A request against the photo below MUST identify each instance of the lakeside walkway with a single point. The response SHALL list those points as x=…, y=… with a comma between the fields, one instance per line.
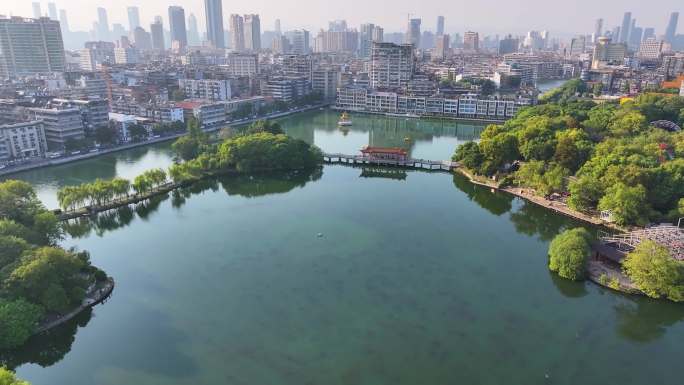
x=89, y=155
x=94, y=297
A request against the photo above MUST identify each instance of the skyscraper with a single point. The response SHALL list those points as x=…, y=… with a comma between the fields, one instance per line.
x=36, y=10
x=63, y=21
x=157, y=32
x=442, y=46
x=193, y=30
x=440, y=25
x=179, y=33
x=413, y=33
x=648, y=33
x=52, y=11
x=625, y=28
x=133, y=18
x=237, y=33
x=143, y=40
x=366, y=39
x=277, y=27
x=252, y=28
x=30, y=46
x=102, y=24
x=214, y=16
x=598, y=29
x=671, y=29
x=299, y=41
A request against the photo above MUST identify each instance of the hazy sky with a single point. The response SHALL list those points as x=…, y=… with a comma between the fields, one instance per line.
x=516, y=16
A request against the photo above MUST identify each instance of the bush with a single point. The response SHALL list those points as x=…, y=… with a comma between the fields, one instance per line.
x=653, y=270
x=568, y=253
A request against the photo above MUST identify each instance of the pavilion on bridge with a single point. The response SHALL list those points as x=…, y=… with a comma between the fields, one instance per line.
x=385, y=153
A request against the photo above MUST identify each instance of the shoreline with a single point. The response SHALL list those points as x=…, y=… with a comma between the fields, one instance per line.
x=92, y=299
x=90, y=155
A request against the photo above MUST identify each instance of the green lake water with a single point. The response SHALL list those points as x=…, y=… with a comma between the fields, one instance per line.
x=342, y=276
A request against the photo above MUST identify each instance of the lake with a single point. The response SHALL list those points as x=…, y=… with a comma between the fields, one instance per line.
x=341, y=276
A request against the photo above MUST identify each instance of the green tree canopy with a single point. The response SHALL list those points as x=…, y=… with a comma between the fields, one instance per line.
x=653, y=270
x=568, y=253
x=18, y=320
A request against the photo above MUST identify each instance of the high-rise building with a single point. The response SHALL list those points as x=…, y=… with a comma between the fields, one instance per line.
x=471, y=41
x=193, y=30
x=63, y=21
x=36, y=10
x=440, y=25
x=337, y=41
x=635, y=36
x=650, y=49
x=30, y=46
x=95, y=54
x=413, y=33
x=508, y=45
x=133, y=18
x=378, y=34
x=299, y=41
x=608, y=53
x=252, y=30
x=237, y=33
x=391, y=65
x=625, y=28
x=277, y=27
x=214, y=16
x=366, y=39
x=179, y=34
x=337, y=26
x=157, y=32
x=143, y=40
x=649, y=33
x=52, y=11
x=102, y=25
x=598, y=30
x=671, y=29
x=577, y=46
x=442, y=46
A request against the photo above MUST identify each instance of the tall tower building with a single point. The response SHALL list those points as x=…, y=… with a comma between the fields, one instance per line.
x=278, y=30
x=648, y=33
x=64, y=21
x=237, y=33
x=52, y=11
x=598, y=29
x=30, y=46
x=133, y=18
x=366, y=39
x=378, y=34
x=214, y=16
x=102, y=24
x=193, y=30
x=625, y=28
x=671, y=29
x=471, y=41
x=36, y=10
x=440, y=25
x=179, y=33
x=391, y=65
x=413, y=33
x=252, y=27
x=157, y=32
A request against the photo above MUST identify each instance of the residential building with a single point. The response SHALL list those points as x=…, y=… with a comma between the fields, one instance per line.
x=126, y=56
x=325, y=81
x=243, y=64
x=237, y=33
x=252, y=31
x=508, y=45
x=157, y=31
x=61, y=125
x=651, y=49
x=95, y=54
x=214, y=17
x=211, y=115
x=143, y=40
x=30, y=46
x=93, y=112
x=123, y=125
x=442, y=47
x=22, y=140
x=179, y=34
x=471, y=41
x=337, y=41
x=206, y=89
x=413, y=33
x=288, y=89
x=299, y=41
x=391, y=65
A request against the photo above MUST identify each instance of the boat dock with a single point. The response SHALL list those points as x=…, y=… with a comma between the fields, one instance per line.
x=361, y=160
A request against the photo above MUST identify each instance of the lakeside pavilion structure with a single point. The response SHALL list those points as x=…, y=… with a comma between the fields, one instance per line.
x=385, y=153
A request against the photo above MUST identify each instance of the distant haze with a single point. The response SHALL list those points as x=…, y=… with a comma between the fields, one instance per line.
x=560, y=17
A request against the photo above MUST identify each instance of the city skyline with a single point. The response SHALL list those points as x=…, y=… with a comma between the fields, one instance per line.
x=504, y=18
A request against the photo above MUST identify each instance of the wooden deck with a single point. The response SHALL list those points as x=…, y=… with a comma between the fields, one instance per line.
x=360, y=160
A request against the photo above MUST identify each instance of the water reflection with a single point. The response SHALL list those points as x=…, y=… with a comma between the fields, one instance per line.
x=249, y=186
x=495, y=202
x=645, y=320
x=384, y=173
x=48, y=348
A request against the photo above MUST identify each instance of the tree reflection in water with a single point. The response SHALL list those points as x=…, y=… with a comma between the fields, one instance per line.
x=48, y=348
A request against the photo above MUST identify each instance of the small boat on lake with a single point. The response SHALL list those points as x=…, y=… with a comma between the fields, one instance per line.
x=345, y=120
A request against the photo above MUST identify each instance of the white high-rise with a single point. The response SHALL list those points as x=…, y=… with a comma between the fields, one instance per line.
x=391, y=65
x=252, y=30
